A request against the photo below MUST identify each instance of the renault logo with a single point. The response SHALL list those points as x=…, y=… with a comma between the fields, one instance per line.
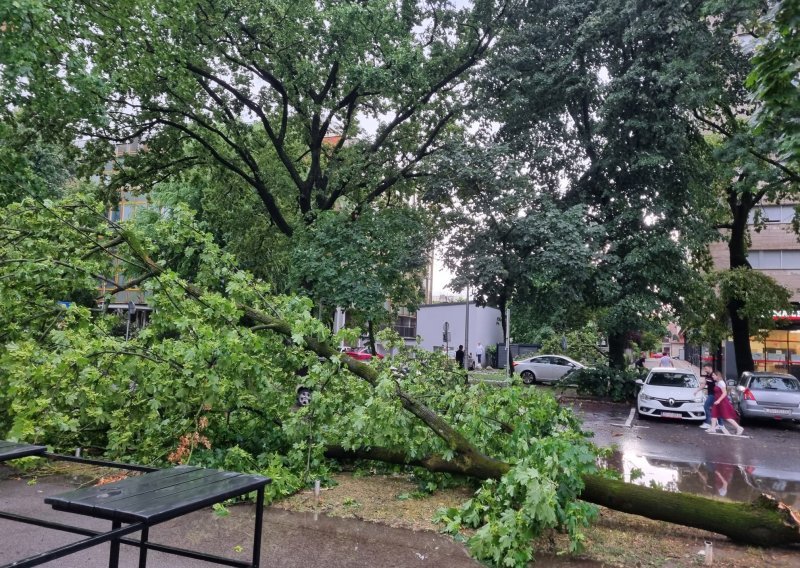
x=671, y=402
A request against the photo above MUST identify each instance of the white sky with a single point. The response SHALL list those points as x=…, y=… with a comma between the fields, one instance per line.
x=441, y=276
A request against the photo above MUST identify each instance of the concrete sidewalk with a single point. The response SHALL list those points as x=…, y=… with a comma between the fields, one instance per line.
x=290, y=539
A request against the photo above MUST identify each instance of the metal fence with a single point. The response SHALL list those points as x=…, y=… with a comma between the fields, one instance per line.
x=517, y=350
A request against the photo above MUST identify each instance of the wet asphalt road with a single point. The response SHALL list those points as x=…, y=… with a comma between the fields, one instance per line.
x=680, y=456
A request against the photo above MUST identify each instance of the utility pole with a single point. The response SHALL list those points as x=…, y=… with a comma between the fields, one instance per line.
x=509, y=369
x=466, y=334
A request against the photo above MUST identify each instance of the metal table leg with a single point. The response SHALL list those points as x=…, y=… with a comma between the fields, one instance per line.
x=143, y=548
x=257, y=529
x=113, y=556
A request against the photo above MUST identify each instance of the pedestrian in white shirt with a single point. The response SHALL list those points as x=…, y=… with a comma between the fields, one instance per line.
x=479, y=355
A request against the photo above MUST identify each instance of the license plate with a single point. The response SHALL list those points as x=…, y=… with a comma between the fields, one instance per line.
x=671, y=415
x=779, y=411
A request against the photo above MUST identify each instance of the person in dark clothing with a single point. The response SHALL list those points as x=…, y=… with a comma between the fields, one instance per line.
x=639, y=363
x=460, y=356
x=707, y=384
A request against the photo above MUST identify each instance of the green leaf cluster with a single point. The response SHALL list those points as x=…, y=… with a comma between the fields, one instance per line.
x=540, y=493
x=618, y=385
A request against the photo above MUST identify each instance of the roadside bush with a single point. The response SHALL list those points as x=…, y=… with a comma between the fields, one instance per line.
x=605, y=382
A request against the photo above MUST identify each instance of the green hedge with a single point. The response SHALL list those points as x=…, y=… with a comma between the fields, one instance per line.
x=604, y=382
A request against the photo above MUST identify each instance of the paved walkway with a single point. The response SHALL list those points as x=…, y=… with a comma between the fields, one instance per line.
x=290, y=540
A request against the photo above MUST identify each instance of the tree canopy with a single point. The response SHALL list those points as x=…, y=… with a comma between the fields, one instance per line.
x=226, y=87
x=591, y=98
x=568, y=146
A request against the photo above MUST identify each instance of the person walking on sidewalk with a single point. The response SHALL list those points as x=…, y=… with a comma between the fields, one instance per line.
x=707, y=375
x=460, y=356
x=722, y=409
x=479, y=355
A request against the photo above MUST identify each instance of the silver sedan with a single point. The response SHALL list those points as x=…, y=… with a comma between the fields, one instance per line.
x=767, y=395
x=545, y=368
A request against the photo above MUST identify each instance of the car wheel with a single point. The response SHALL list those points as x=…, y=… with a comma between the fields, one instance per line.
x=528, y=377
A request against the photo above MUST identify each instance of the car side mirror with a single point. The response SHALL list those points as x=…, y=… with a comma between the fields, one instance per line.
x=639, y=382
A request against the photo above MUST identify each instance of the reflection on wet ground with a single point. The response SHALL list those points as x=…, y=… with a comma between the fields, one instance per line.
x=679, y=456
x=709, y=478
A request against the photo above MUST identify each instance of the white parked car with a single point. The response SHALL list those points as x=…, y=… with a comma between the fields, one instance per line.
x=670, y=393
x=545, y=368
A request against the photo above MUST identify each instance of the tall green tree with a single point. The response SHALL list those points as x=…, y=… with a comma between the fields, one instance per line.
x=752, y=165
x=589, y=95
x=369, y=266
x=276, y=112
x=507, y=239
x=237, y=77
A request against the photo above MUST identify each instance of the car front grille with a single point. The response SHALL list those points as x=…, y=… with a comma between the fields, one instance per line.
x=672, y=403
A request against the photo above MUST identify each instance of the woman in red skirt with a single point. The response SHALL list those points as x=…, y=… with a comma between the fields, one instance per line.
x=722, y=409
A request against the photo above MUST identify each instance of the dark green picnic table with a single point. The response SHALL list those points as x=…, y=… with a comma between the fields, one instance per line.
x=141, y=502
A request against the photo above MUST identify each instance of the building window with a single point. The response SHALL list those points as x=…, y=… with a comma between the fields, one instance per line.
x=773, y=214
x=406, y=326
x=774, y=259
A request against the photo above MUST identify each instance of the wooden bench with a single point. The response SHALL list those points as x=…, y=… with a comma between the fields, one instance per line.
x=142, y=502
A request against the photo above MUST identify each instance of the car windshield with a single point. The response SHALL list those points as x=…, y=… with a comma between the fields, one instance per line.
x=672, y=380
x=776, y=383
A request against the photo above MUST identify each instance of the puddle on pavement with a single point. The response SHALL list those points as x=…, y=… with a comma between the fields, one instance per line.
x=709, y=478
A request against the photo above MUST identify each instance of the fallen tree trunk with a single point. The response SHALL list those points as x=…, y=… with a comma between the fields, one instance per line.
x=764, y=522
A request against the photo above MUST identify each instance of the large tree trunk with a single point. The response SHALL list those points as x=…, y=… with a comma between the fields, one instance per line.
x=765, y=522
x=616, y=350
x=737, y=249
x=371, y=337
x=740, y=331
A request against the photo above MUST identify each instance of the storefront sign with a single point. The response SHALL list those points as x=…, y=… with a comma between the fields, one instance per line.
x=784, y=315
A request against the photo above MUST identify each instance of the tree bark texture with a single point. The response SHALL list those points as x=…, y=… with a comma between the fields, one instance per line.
x=764, y=522
x=616, y=350
x=737, y=250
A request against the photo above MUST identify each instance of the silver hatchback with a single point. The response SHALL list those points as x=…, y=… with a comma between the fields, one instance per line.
x=767, y=395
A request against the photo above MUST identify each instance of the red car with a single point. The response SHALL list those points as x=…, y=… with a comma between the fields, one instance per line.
x=362, y=354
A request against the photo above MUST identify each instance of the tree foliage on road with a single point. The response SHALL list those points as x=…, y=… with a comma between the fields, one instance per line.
x=212, y=379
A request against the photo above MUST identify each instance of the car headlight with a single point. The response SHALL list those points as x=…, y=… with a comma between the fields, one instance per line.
x=645, y=396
